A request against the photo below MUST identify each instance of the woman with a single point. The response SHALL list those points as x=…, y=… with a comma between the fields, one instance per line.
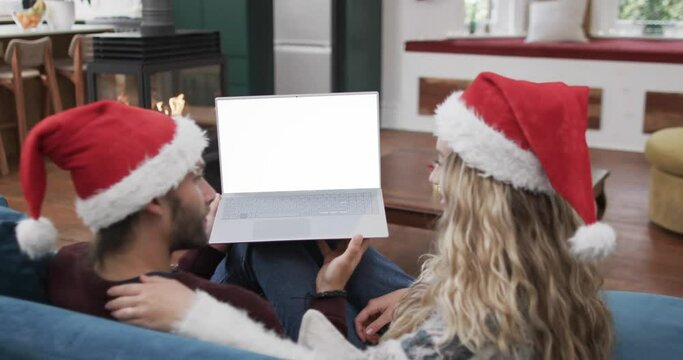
x=514, y=274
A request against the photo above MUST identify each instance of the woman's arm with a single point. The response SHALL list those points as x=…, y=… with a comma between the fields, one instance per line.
x=160, y=303
x=338, y=266
x=167, y=305
x=377, y=314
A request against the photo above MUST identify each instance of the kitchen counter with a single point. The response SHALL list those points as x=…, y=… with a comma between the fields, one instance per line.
x=13, y=31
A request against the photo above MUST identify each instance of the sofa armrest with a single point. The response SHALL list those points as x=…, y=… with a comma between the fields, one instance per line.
x=647, y=326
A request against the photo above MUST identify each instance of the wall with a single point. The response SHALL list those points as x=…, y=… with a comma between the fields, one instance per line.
x=404, y=20
x=623, y=86
x=246, y=28
x=623, y=83
x=129, y=8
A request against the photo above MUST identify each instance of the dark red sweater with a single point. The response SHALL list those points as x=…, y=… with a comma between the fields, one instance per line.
x=74, y=285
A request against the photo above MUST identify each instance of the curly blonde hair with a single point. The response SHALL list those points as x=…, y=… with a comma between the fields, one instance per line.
x=503, y=276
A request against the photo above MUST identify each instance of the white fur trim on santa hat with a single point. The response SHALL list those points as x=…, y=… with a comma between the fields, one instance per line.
x=211, y=320
x=153, y=178
x=36, y=238
x=593, y=242
x=486, y=149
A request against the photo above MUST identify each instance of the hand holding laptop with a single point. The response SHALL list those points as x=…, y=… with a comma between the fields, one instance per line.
x=339, y=264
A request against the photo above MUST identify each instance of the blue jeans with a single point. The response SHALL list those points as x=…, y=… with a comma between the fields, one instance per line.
x=285, y=273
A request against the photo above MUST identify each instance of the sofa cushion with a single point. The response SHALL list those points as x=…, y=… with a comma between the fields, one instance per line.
x=556, y=20
x=35, y=331
x=664, y=149
x=20, y=276
x=647, y=326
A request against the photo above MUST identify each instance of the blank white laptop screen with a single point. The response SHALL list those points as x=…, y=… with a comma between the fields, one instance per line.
x=299, y=143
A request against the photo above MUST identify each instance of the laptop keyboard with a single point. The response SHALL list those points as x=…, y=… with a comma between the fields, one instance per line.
x=277, y=206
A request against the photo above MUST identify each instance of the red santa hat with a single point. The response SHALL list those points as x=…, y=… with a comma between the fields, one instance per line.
x=532, y=136
x=120, y=158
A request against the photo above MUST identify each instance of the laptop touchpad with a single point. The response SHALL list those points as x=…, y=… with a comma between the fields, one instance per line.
x=281, y=228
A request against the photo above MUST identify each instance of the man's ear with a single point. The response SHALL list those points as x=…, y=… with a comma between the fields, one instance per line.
x=154, y=206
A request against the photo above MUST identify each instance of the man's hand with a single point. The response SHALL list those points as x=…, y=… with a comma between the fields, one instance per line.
x=378, y=313
x=339, y=264
x=157, y=303
x=210, y=219
x=211, y=215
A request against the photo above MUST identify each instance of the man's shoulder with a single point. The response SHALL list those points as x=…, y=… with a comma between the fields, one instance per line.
x=78, y=249
x=231, y=294
x=71, y=257
x=73, y=283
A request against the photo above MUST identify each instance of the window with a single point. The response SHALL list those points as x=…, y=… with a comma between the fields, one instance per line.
x=478, y=16
x=656, y=18
x=651, y=11
x=495, y=17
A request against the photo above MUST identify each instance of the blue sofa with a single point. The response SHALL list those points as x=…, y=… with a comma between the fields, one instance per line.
x=647, y=326
x=31, y=329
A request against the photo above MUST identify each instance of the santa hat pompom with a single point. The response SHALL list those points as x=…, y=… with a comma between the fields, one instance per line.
x=593, y=242
x=36, y=238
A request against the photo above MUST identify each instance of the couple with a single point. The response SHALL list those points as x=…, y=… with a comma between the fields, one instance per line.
x=514, y=274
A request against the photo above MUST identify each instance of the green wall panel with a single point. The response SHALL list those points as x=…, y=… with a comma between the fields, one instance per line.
x=238, y=90
x=357, y=45
x=246, y=38
x=188, y=14
x=238, y=70
x=230, y=18
x=261, y=57
x=363, y=45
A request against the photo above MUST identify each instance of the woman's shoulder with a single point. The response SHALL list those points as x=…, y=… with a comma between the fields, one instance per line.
x=429, y=341
x=426, y=342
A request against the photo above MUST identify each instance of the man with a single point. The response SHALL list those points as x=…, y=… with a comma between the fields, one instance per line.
x=138, y=177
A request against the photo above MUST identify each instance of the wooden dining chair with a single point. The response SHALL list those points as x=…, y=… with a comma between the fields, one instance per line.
x=29, y=59
x=73, y=68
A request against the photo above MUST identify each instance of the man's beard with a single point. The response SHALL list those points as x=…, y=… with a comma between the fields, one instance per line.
x=187, y=228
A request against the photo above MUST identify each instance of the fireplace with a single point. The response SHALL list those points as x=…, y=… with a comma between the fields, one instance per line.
x=142, y=70
x=150, y=70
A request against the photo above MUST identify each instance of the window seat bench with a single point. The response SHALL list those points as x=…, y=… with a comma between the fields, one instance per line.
x=636, y=85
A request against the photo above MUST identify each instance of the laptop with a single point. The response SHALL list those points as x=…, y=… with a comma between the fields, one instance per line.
x=299, y=167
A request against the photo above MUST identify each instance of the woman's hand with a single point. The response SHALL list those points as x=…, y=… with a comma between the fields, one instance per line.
x=339, y=264
x=378, y=313
x=157, y=303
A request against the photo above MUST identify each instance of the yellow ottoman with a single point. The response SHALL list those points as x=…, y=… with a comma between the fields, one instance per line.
x=664, y=150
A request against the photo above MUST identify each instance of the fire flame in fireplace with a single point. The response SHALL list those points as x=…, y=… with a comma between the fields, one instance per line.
x=175, y=105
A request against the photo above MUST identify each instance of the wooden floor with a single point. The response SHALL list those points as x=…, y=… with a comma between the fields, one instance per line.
x=648, y=258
